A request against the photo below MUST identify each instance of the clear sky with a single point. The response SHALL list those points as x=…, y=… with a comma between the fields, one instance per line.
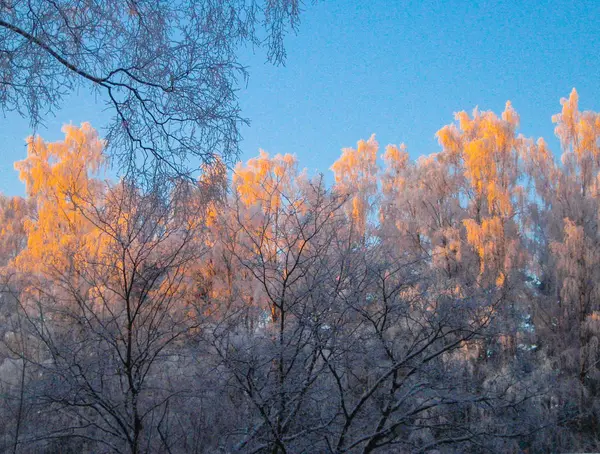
x=399, y=69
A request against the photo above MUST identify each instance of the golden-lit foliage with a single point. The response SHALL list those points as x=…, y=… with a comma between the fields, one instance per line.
x=579, y=133
x=263, y=180
x=59, y=177
x=488, y=147
x=462, y=208
x=488, y=239
x=396, y=161
x=265, y=191
x=476, y=258
x=355, y=175
x=62, y=168
x=490, y=152
x=447, y=228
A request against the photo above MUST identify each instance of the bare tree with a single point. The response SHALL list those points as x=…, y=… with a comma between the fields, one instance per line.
x=274, y=364
x=403, y=361
x=168, y=70
x=110, y=328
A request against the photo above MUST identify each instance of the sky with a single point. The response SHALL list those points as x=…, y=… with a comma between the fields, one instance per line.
x=399, y=69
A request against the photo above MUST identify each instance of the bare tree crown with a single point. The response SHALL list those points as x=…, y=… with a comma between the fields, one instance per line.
x=167, y=70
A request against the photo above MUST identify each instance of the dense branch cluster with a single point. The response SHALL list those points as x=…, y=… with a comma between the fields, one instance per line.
x=168, y=70
x=448, y=304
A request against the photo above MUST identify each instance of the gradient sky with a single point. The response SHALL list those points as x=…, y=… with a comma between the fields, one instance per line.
x=399, y=69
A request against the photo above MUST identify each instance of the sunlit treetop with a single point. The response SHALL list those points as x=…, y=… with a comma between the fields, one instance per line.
x=396, y=161
x=65, y=165
x=59, y=178
x=488, y=147
x=579, y=134
x=263, y=179
x=356, y=174
x=489, y=151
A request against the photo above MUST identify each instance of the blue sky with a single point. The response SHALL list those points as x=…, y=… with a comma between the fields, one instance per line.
x=399, y=69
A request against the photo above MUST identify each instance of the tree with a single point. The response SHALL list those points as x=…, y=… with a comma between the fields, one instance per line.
x=114, y=326
x=568, y=254
x=104, y=303
x=168, y=70
x=488, y=148
x=356, y=177
x=402, y=362
x=61, y=179
x=280, y=232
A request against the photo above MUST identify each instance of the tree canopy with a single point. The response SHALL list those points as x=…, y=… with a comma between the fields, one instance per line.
x=444, y=304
